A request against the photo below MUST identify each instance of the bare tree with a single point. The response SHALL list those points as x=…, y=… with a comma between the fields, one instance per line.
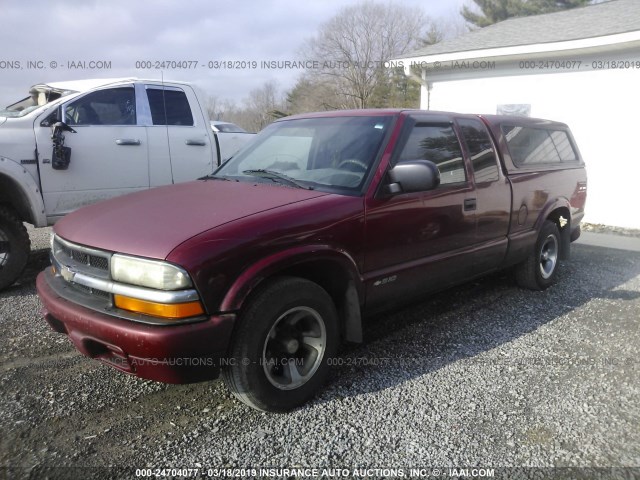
x=353, y=50
x=261, y=107
x=313, y=92
x=354, y=47
x=219, y=109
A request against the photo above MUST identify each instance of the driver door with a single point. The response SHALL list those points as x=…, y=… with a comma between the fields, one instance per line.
x=421, y=241
x=109, y=152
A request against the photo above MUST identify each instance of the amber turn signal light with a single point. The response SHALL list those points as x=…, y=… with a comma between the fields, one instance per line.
x=163, y=310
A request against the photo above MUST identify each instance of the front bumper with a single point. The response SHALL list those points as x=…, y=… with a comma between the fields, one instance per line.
x=166, y=353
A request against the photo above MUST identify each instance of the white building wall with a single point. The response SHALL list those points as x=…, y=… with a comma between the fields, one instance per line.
x=602, y=108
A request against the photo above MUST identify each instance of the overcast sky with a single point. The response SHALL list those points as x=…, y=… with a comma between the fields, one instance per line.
x=52, y=33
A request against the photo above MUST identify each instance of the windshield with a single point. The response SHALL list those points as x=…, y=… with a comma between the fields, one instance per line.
x=331, y=154
x=36, y=99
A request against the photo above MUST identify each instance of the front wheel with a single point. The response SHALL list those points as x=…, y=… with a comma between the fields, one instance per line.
x=540, y=269
x=14, y=247
x=282, y=345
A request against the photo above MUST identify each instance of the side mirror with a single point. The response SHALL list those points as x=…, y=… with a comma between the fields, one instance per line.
x=61, y=127
x=413, y=176
x=61, y=155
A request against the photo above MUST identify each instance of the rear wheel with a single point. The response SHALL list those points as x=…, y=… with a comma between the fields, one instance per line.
x=540, y=270
x=14, y=247
x=280, y=351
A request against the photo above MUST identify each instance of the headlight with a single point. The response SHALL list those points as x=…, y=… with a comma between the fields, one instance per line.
x=148, y=273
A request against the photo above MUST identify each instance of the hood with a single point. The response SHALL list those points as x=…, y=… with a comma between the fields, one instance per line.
x=154, y=222
x=2, y=120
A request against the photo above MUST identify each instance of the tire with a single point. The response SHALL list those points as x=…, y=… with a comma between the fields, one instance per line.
x=14, y=247
x=272, y=365
x=540, y=269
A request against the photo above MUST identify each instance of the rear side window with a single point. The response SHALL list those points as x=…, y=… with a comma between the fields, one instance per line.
x=169, y=107
x=563, y=145
x=483, y=156
x=538, y=146
x=439, y=144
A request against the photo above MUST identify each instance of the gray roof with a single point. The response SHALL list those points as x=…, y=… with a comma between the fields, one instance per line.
x=607, y=18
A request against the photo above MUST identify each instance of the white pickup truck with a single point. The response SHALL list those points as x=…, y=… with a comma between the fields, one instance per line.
x=70, y=144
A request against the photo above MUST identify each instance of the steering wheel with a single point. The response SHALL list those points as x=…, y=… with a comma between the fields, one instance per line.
x=354, y=161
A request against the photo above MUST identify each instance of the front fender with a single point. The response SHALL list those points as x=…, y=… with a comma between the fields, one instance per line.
x=269, y=266
x=24, y=192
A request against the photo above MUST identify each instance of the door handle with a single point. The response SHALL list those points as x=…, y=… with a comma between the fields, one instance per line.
x=469, y=204
x=197, y=143
x=127, y=141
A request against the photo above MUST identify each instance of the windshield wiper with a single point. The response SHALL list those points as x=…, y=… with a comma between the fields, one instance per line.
x=213, y=176
x=275, y=176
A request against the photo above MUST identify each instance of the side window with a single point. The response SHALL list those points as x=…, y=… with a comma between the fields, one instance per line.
x=483, y=156
x=111, y=106
x=538, y=146
x=563, y=145
x=439, y=144
x=169, y=107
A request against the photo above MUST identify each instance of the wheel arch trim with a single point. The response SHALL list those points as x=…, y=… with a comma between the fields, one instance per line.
x=269, y=266
x=549, y=208
x=547, y=213
x=349, y=305
x=29, y=204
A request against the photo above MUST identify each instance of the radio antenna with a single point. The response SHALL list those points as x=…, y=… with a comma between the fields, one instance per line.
x=166, y=123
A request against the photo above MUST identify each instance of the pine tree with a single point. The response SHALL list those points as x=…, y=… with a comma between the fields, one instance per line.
x=493, y=11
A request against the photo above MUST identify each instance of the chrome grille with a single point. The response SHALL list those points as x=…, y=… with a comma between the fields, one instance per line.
x=92, y=291
x=82, y=275
x=84, y=260
x=99, y=262
x=80, y=255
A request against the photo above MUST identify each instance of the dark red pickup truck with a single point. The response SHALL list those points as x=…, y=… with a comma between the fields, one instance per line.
x=261, y=270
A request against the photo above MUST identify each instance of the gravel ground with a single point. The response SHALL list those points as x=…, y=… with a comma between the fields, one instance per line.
x=483, y=375
x=600, y=228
